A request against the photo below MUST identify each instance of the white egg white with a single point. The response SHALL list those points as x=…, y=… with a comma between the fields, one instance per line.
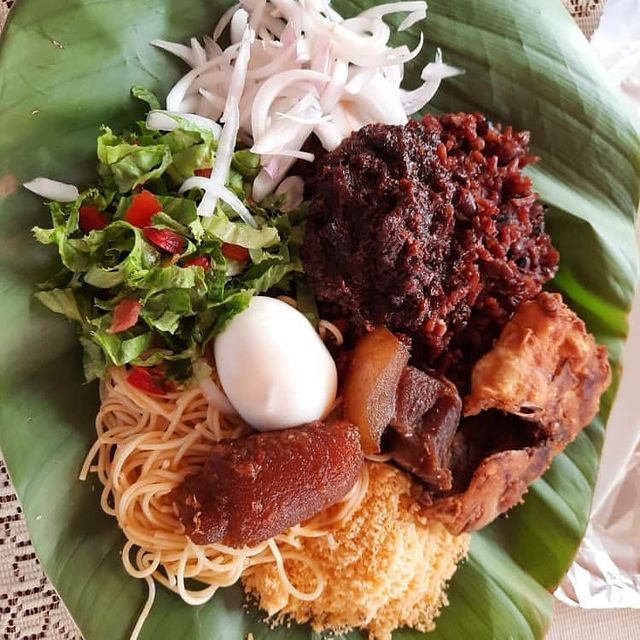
x=274, y=368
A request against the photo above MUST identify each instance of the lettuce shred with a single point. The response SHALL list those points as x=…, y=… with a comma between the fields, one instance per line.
x=184, y=305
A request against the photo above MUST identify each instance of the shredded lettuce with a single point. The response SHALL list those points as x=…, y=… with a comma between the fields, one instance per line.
x=64, y=302
x=73, y=251
x=240, y=233
x=121, y=350
x=125, y=166
x=246, y=163
x=187, y=298
x=146, y=96
x=266, y=276
x=94, y=359
x=190, y=150
x=127, y=162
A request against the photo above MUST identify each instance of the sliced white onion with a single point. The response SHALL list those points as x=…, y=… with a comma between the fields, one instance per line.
x=176, y=96
x=211, y=47
x=216, y=101
x=205, y=123
x=194, y=182
x=331, y=14
x=237, y=205
x=394, y=74
x=273, y=26
x=214, y=188
x=216, y=397
x=240, y=68
x=346, y=120
x=161, y=121
x=225, y=19
x=277, y=64
x=417, y=11
x=289, y=36
x=287, y=135
x=272, y=166
x=213, y=193
x=293, y=188
x=377, y=102
x=272, y=88
x=178, y=50
x=239, y=23
x=298, y=155
x=158, y=120
x=276, y=167
x=53, y=189
x=358, y=80
x=257, y=14
x=321, y=59
x=332, y=92
x=328, y=134
x=317, y=118
x=404, y=54
x=268, y=180
x=357, y=49
x=304, y=50
x=198, y=52
x=265, y=182
x=432, y=75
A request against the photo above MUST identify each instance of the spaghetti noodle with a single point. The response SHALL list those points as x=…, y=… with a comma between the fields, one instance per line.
x=146, y=446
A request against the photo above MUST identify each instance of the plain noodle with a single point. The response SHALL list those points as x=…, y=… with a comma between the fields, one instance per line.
x=146, y=446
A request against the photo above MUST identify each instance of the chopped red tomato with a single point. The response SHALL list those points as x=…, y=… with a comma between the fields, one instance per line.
x=125, y=315
x=142, y=378
x=143, y=207
x=235, y=252
x=198, y=261
x=91, y=218
x=203, y=173
x=165, y=239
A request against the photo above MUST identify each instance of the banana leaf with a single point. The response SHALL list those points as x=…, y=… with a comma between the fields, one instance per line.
x=66, y=67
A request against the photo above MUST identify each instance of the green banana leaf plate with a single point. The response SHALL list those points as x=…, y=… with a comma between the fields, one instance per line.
x=66, y=67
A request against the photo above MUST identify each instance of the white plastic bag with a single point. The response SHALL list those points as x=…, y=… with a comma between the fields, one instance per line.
x=606, y=571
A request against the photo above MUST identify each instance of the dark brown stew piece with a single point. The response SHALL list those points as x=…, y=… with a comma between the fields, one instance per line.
x=257, y=487
x=422, y=429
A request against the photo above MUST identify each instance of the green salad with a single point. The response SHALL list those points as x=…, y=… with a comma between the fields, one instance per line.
x=148, y=280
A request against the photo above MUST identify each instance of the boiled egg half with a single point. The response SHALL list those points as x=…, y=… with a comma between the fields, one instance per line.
x=274, y=368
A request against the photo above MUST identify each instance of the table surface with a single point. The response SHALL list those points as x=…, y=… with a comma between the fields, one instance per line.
x=30, y=609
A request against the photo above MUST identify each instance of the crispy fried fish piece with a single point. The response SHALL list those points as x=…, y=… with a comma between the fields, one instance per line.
x=548, y=373
x=545, y=367
x=497, y=485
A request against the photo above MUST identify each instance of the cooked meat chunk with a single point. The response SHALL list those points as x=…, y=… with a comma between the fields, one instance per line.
x=407, y=412
x=545, y=367
x=531, y=396
x=431, y=229
x=257, y=487
x=370, y=388
x=422, y=429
